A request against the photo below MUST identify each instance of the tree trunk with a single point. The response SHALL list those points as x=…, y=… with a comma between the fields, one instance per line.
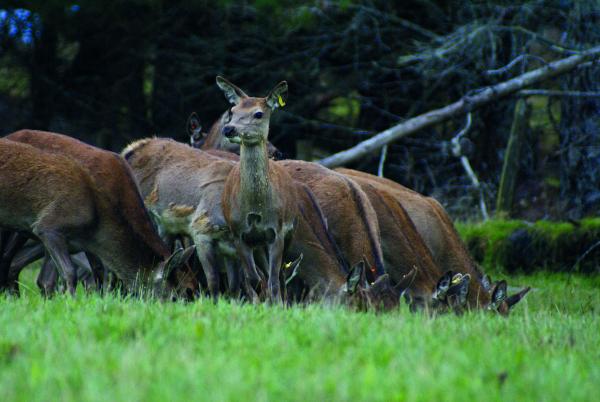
x=510, y=168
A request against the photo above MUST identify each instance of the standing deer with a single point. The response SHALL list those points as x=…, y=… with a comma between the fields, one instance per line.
x=330, y=188
x=449, y=252
x=215, y=140
x=55, y=199
x=259, y=196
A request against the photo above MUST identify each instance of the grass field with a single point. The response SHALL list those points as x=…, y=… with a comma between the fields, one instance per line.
x=93, y=348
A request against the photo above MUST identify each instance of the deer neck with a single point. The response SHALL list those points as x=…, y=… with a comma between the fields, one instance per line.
x=255, y=187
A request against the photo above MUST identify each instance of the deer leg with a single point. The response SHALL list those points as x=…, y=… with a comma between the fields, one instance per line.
x=206, y=252
x=3, y=235
x=47, y=277
x=275, y=259
x=24, y=257
x=248, y=263
x=85, y=273
x=98, y=271
x=251, y=278
x=233, y=275
x=56, y=245
x=12, y=247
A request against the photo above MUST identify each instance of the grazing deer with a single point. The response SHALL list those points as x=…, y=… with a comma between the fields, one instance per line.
x=350, y=216
x=449, y=252
x=259, y=196
x=55, y=199
x=99, y=164
x=324, y=269
x=403, y=248
x=215, y=140
x=182, y=187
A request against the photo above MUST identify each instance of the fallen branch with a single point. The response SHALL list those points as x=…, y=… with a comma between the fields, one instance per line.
x=462, y=106
x=556, y=93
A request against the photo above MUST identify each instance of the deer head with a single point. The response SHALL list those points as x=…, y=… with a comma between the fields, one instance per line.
x=170, y=277
x=452, y=289
x=359, y=293
x=248, y=119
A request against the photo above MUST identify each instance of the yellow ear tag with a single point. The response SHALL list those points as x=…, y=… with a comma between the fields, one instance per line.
x=456, y=279
x=280, y=100
x=287, y=265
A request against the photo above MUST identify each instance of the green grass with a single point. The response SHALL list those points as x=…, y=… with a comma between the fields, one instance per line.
x=92, y=348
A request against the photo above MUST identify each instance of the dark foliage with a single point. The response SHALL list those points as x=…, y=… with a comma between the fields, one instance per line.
x=112, y=71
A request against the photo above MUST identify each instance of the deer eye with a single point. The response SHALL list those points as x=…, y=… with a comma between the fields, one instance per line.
x=258, y=115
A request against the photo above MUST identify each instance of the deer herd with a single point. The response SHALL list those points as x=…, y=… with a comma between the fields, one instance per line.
x=284, y=231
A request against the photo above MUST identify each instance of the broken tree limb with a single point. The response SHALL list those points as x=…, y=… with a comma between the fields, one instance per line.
x=555, y=93
x=462, y=106
x=457, y=152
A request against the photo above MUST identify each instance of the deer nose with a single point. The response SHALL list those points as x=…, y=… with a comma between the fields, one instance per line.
x=228, y=131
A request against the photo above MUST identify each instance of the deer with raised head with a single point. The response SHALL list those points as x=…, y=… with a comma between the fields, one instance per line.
x=54, y=198
x=215, y=140
x=259, y=196
x=447, y=249
x=349, y=214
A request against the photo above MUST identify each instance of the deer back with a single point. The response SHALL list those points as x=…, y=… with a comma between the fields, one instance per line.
x=350, y=216
x=437, y=231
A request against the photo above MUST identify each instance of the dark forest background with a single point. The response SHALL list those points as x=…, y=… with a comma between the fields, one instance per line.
x=110, y=71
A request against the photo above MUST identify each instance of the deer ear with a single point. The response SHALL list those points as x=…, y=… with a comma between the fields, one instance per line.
x=382, y=282
x=355, y=277
x=460, y=291
x=293, y=266
x=442, y=286
x=233, y=94
x=177, y=259
x=407, y=280
x=498, y=294
x=193, y=125
x=486, y=282
x=514, y=299
x=276, y=98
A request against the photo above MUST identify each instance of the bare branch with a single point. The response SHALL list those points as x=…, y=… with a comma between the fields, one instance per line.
x=464, y=105
x=556, y=93
x=510, y=65
x=382, y=160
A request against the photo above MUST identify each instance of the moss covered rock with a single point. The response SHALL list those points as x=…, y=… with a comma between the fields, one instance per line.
x=525, y=247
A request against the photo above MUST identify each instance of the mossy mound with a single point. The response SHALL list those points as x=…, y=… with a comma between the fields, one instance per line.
x=517, y=246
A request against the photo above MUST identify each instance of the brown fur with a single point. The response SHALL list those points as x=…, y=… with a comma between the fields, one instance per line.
x=52, y=196
x=117, y=189
x=436, y=230
x=403, y=247
x=259, y=200
x=186, y=186
x=350, y=216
